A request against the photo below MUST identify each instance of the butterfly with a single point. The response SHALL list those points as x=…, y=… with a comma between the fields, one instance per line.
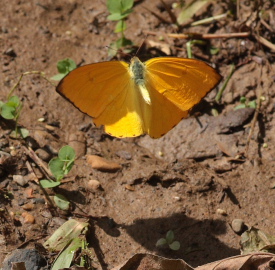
x=131, y=99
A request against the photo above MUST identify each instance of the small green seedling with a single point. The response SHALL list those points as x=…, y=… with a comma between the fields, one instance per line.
x=64, y=67
x=169, y=240
x=119, y=11
x=245, y=104
x=10, y=110
x=60, y=166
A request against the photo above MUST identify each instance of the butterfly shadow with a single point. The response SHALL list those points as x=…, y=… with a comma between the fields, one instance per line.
x=198, y=238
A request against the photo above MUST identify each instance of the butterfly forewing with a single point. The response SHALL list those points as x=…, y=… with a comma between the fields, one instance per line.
x=91, y=88
x=182, y=81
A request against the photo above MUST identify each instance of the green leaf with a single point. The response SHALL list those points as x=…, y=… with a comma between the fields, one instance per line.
x=119, y=9
x=56, y=166
x=58, y=77
x=119, y=6
x=127, y=4
x=120, y=27
x=1, y=104
x=8, y=112
x=170, y=236
x=115, y=17
x=65, y=257
x=241, y=106
x=62, y=164
x=66, y=153
x=161, y=242
x=23, y=132
x=175, y=245
x=14, y=101
x=61, y=202
x=114, y=6
x=252, y=104
x=243, y=100
x=66, y=65
x=45, y=183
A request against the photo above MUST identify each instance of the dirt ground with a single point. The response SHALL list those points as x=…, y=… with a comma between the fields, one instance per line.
x=195, y=180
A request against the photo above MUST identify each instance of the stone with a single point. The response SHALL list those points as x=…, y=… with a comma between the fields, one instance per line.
x=238, y=226
x=221, y=212
x=28, y=206
x=102, y=164
x=124, y=154
x=31, y=258
x=44, y=155
x=20, y=180
x=28, y=218
x=93, y=185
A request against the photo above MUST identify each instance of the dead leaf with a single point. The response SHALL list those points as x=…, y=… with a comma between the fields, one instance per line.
x=254, y=240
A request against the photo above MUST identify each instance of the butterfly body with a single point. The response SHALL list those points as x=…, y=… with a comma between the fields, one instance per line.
x=138, y=74
x=137, y=98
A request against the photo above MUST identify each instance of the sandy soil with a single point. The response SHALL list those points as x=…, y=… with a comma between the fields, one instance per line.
x=177, y=182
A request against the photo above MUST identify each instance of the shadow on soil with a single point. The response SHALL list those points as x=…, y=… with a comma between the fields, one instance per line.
x=196, y=237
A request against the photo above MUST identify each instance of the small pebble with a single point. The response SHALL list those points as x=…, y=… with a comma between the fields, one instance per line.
x=93, y=185
x=28, y=218
x=20, y=180
x=28, y=206
x=124, y=154
x=29, y=193
x=38, y=201
x=41, y=137
x=221, y=212
x=129, y=187
x=238, y=225
x=102, y=164
x=13, y=152
x=44, y=155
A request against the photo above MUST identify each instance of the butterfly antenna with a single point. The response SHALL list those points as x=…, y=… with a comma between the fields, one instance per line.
x=142, y=44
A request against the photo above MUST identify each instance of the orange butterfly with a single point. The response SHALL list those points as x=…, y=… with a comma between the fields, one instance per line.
x=137, y=98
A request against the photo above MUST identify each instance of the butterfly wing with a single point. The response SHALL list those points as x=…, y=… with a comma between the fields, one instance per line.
x=161, y=115
x=106, y=92
x=182, y=81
